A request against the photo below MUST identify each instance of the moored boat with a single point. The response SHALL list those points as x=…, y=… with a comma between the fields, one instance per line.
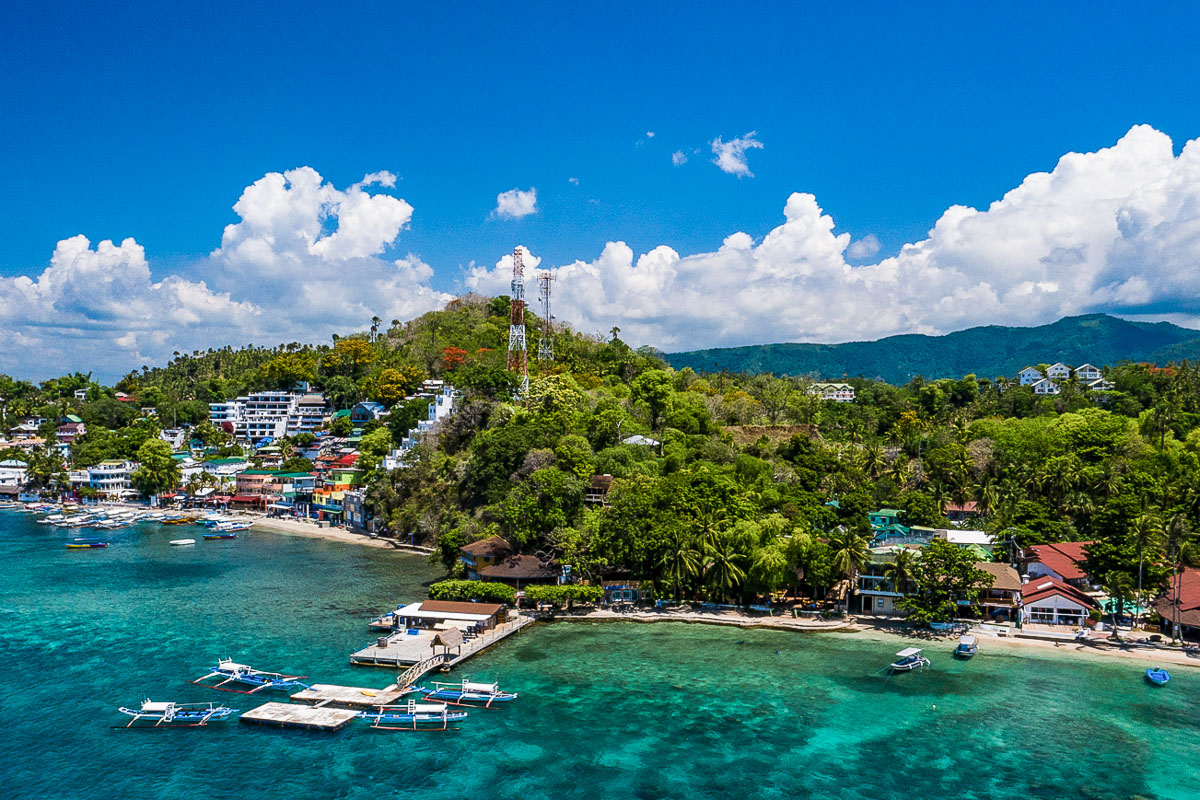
x=908, y=659
x=82, y=544
x=1158, y=676
x=231, y=672
x=176, y=715
x=967, y=646
x=182, y=542
x=220, y=535
x=413, y=716
x=466, y=693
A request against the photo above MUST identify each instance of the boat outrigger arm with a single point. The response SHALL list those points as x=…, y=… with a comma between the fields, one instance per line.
x=242, y=674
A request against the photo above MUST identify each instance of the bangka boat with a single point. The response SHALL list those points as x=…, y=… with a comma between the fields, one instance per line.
x=220, y=535
x=80, y=544
x=466, y=693
x=177, y=715
x=967, y=646
x=908, y=659
x=181, y=542
x=412, y=716
x=1158, y=676
x=231, y=672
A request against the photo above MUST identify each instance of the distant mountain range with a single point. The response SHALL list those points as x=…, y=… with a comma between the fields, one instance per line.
x=988, y=351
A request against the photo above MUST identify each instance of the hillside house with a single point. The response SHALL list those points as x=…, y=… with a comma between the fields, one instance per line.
x=1086, y=373
x=1058, y=371
x=1101, y=385
x=482, y=554
x=521, y=570
x=1061, y=561
x=1029, y=376
x=1046, y=387
x=834, y=392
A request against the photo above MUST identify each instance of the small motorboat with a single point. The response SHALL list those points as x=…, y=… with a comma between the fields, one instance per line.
x=84, y=544
x=908, y=659
x=1158, y=676
x=181, y=542
x=220, y=535
x=967, y=646
x=177, y=715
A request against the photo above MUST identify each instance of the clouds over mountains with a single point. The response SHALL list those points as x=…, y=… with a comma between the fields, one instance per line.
x=1116, y=230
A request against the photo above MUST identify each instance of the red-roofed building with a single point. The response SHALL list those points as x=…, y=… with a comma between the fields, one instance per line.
x=1061, y=560
x=1187, y=612
x=1048, y=601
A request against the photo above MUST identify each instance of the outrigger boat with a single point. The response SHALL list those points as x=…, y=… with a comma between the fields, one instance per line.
x=1158, y=676
x=177, y=715
x=479, y=695
x=413, y=716
x=908, y=659
x=248, y=676
x=80, y=544
x=967, y=646
x=220, y=535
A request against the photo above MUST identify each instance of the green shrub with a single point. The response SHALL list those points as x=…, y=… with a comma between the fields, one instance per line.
x=565, y=595
x=472, y=590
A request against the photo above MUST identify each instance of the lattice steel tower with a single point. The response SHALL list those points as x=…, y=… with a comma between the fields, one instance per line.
x=517, y=354
x=546, y=342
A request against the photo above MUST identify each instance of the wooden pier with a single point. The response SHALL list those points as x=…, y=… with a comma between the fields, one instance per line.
x=325, y=694
x=313, y=718
x=415, y=653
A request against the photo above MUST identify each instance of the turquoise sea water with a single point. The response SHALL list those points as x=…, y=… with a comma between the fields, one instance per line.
x=611, y=710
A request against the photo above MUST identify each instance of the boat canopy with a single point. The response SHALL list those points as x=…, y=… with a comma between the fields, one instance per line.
x=156, y=707
x=966, y=638
x=480, y=687
x=909, y=652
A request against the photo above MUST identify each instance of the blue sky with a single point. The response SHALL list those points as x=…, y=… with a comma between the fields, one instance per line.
x=148, y=122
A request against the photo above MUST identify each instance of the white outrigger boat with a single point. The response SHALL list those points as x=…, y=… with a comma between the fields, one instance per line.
x=177, y=715
x=466, y=693
x=908, y=659
x=412, y=716
x=231, y=672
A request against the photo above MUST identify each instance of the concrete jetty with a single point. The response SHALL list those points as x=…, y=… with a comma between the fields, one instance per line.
x=322, y=695
x=286, y=715
x=405, y=650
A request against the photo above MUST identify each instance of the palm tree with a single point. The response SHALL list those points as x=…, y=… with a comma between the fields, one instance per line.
x=681, y=561
x=1178, y=537
x=902, y=570
x=851, y=550
x=1146, y=532
x=874, y=460
x=1119, y=588
x=722, y=569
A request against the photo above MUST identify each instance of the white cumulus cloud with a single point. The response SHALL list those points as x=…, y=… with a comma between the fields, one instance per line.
x=679, y=158
x=731, y=155
x=516, y=203
x=864, y=247
x=1117, y=230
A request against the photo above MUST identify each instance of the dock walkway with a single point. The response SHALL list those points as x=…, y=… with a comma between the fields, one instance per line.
x=400, y=649
x=285, y=715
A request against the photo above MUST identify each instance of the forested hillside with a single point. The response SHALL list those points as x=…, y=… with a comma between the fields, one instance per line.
x=990, y=351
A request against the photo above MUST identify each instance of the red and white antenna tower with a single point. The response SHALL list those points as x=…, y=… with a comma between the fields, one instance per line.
x=518, y=356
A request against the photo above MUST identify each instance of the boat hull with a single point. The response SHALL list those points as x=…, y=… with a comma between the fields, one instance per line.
x=1157, y=677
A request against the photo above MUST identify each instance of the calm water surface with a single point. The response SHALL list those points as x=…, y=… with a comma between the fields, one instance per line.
x=612, y=710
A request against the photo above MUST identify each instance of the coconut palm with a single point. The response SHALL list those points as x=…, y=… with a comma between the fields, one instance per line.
x=1179, y=542
x=722, y=569
x=902, y=570
x=1146, y=533
x=680, y=561
x=851, y=550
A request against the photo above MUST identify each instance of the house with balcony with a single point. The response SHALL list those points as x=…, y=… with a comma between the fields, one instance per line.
x=1046, y=387
x=834, y=392
x=1086, y=373
x=113, y=478
x=877, y=593
x=1001, y=599
x=1029, y=376
x=1062, y=561
x=366, y=411
x=1049, y=601
x=1058, y=371
x=482, y=554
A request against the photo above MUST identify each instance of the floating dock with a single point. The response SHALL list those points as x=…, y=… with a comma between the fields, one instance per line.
x=324, y=694
x=311, y=718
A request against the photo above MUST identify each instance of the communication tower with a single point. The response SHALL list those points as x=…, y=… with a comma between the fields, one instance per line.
x=546, y=342
x=517, y=353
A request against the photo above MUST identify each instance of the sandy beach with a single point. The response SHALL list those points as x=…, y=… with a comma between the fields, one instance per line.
x=295, y=527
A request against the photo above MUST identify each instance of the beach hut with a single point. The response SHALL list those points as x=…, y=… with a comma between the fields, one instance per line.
x=450, y=638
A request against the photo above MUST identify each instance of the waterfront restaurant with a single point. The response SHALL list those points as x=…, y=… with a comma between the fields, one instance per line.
x=440, y=614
